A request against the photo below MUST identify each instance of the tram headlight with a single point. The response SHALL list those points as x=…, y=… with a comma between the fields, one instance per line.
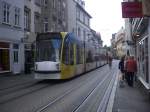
x=57, y=66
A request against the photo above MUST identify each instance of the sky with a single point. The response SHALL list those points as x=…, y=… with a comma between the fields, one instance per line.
x=106, y=17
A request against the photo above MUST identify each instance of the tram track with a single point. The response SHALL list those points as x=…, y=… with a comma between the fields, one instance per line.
x=97, y=100
x=16, y=87
x=37, y=104
x=90, y=95
x=8, y=97
x=43, y=109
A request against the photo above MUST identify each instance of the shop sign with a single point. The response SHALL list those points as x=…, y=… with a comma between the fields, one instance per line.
x=132, y=9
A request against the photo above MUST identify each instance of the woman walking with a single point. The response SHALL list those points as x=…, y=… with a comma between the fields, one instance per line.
x=131, y=68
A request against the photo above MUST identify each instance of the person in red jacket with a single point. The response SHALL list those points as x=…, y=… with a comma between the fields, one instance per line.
x=131, y=69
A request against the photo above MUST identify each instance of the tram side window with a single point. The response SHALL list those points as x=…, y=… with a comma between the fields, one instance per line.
x=89, y=57
x=71, y=54
x=68, y=54
x=65, y=57
x=79, y=55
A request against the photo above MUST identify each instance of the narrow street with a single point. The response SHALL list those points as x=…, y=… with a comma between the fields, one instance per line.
x=87, y=93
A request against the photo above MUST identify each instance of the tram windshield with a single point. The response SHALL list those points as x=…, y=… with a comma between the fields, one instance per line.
x=48, y=50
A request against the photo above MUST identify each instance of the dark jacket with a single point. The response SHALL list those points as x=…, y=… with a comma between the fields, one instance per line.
x=121, y=66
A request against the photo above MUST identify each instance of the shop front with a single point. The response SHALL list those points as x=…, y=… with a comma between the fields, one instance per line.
x=4, y=57
x=143, y=60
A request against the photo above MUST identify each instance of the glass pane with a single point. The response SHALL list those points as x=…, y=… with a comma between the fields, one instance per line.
x=47, y=50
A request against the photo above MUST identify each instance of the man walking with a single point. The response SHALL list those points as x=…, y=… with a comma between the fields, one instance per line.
x=131, y=68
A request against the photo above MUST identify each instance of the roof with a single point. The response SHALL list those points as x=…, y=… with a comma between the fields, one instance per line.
x=78, y=5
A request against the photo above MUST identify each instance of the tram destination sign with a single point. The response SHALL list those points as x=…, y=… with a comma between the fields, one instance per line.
x=132, y=9
x=47, y=36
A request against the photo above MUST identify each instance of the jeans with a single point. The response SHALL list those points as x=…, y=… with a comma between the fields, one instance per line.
x=130, y=77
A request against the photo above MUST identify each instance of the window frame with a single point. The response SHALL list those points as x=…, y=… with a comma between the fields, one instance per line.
x=6, y=12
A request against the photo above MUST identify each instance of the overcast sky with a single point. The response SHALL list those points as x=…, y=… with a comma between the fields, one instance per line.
x=106, y=17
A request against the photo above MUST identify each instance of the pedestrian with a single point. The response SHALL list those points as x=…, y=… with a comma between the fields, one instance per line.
x=131, y=69
x=110, y=61
x=121, y=68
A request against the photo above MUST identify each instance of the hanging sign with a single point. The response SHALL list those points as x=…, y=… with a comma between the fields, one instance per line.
x=132, y=9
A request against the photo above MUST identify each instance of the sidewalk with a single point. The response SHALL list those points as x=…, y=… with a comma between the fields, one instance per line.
x=11, y=80
x=131, y=99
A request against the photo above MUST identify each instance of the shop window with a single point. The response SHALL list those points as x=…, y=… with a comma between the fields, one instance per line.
x=143, y=59
x=4, y=60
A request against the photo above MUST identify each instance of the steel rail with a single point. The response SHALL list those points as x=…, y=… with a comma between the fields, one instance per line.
x=62, y=96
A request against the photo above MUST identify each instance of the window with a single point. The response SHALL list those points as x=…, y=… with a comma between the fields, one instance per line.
x=15, y=52
x=79, y=54
x=78, y=14
x=59, y=7
x=27, y=19
x=6, y=12
x=54, y=4
x=15, y=56
x=45, y=2
x=68, y=51
x=88, y=22
x=17, y=16
x=84, y=19
x=79, y=32
x=64, y=5
x=48, y=50
x=68, y=54
x=37, y=22
x=45, y=24
x=38, y=2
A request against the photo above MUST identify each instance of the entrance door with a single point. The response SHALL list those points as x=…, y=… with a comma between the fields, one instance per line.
x=28, y=61
x=4, y=60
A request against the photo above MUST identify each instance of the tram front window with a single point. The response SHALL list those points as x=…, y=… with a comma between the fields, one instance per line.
x=48, y=50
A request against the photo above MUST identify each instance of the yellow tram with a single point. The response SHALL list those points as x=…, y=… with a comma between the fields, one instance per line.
x=60, y=55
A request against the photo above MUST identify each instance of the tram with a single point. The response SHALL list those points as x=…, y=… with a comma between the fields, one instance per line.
x=60, y=55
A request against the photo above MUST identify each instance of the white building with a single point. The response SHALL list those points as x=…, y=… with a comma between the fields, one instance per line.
x=121, y=43
x=83, y=22
x=78, y=19
x=19, y=23
x=11, y=32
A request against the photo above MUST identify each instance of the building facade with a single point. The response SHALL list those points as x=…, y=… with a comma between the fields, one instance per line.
x=139, y=42
x=72, y=21
x=54, y=15
x=83, y=30
x=32, y=26
x=11, y=33
x=121, y=47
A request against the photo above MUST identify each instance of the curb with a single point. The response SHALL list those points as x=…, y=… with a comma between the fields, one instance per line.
x=112, y=96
